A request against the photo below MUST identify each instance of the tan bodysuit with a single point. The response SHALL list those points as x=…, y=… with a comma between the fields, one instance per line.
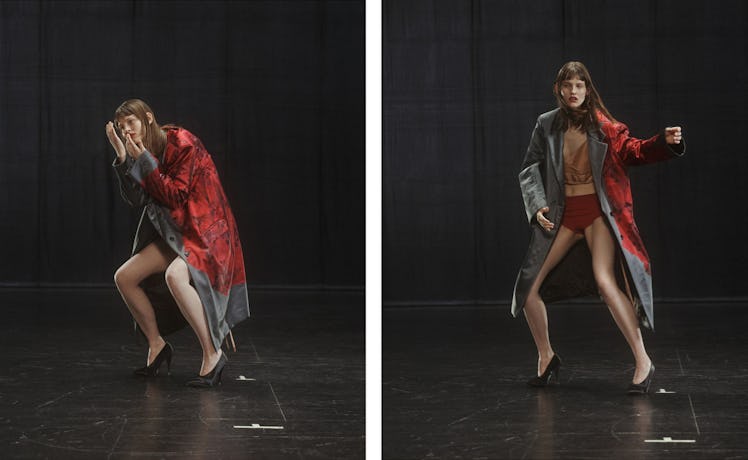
x=577, y=169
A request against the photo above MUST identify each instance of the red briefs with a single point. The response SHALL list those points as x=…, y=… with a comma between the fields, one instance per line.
x=580, y=212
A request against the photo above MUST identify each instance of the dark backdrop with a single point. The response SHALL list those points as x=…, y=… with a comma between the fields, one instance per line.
x=463, y=83
x=275, y=90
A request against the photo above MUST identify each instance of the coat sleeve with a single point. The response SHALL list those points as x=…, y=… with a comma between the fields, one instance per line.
x=169, y=185
x=636, y=152
x=131, y=191
x=531, y=177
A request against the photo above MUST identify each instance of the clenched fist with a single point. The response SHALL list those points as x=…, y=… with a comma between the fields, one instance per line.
x=673, y=135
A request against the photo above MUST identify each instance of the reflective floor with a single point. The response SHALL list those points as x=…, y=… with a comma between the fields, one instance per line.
x=454, y=385
x=294, y=389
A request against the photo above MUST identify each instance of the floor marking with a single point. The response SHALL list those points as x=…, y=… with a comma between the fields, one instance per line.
x=54, y=400
x=663, y=391
x=669, y=439
x=693, y=412
x=277, y=402
x=401, y=391
x=257, y=426
x=680, y=363
x=255, y=350
x=530, y=445
x=241, y=377
x=116, y=441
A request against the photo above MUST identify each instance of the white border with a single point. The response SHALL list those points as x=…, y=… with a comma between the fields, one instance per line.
x=373, y=229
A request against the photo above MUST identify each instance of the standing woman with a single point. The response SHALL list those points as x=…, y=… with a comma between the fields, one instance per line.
x=575, y=186
x=187, y=233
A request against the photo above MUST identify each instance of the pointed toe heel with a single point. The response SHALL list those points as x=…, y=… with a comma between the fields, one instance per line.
x=552, y=372
x=151, y=370
x=643, y=387
x=212, y=378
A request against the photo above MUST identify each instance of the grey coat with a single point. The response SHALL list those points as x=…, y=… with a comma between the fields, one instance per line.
x=611, y=151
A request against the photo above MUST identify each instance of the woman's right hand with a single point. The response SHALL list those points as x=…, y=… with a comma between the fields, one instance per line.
x=545, y=223
x=119, y=147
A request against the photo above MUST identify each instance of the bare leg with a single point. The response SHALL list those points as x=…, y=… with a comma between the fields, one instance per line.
x=178, y=280
x=154, y=258
x=602, y=248
x=535, y=312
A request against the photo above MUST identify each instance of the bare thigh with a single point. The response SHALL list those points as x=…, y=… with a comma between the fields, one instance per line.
x=602, y=247
x=154, y=258
x=565, y=239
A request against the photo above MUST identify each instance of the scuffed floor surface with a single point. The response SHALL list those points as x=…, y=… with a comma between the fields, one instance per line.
x=293, y=390
x=454, y=385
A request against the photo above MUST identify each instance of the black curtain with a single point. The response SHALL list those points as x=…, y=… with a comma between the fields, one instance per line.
x=463, y=83
x=274, y=89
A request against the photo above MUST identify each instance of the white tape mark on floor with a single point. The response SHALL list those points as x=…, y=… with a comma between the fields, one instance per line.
x=663, y=391
x=243, y=378
x=669, y=439
x=257, y=426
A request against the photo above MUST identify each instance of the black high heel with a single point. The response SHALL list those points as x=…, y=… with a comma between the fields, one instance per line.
x=151, y=370
x=643, y=387
x=552, y=370
x=210, y=379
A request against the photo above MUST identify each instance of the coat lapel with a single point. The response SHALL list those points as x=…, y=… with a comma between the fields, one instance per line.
x=556, y=141
x=597, y=151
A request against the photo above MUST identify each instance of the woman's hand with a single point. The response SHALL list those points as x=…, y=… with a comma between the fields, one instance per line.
x=135, y=150
x=119, y=147
x=545, y=223
x=673, y=135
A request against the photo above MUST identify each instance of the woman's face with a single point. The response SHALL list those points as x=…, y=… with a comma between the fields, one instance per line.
x=132, y=125
x=573, y=92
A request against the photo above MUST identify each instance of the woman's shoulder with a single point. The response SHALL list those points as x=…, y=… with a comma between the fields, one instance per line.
x=545, y=120
x=611, y=128
x=179, y=136
x=547, y=117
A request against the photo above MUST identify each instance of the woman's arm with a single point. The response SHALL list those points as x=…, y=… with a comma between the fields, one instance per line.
x=167, y=185
x=663, y=146
x=131, y=191
x=530, y=176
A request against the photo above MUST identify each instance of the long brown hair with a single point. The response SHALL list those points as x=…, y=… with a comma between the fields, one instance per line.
x=154, y=139
x=586, y=116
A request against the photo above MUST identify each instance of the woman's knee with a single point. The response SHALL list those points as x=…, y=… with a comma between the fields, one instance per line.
x=123, y=277
x=607, y=287
x=177, y=274
x=533, y=298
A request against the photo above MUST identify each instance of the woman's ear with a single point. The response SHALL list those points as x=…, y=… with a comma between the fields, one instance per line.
x=149, y=115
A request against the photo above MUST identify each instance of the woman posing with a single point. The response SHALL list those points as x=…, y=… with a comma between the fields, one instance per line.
x=575, y=186
x=187, y=233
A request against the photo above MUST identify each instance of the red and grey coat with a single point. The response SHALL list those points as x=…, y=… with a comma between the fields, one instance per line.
x=185, y=205
x=541, y=179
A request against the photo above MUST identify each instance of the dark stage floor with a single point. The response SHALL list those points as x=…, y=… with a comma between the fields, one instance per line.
x=453, y=385
x=293, y=390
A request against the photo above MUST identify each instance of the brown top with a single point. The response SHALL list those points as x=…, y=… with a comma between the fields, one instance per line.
x=577, y=169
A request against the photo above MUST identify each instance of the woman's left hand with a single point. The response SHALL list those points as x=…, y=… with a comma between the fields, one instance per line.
x=135, y=150
x=673, y=135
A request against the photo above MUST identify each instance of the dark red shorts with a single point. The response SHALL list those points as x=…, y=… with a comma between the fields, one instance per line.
x=580, y=212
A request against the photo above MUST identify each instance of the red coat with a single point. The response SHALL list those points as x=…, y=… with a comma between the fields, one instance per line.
x=611, y=151
x=185, y=205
